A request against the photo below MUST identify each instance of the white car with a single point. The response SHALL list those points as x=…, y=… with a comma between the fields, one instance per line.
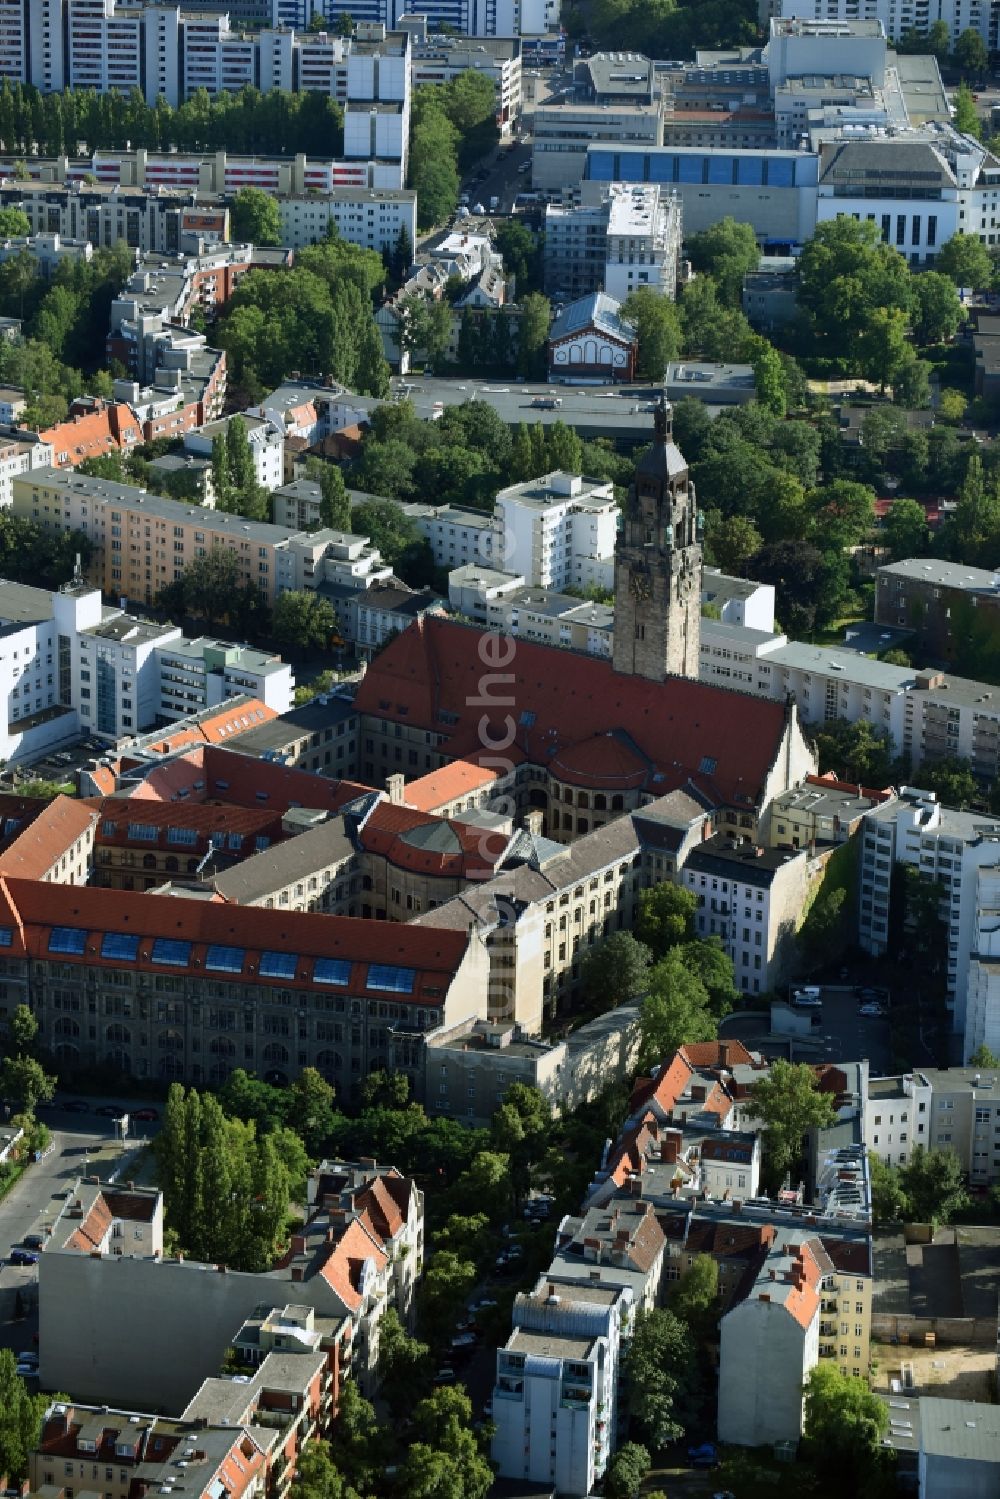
x=871, y=1010
x=803, y=1000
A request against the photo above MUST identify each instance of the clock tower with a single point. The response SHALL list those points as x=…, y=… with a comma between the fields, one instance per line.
x=658, y=565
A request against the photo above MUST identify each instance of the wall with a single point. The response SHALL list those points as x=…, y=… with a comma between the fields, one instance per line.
x=764, y=1358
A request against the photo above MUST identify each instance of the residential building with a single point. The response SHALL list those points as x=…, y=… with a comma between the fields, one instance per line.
x=321, y=736
x=960, y=851
x=770, y=1343
x=823, y=810
x=739, y=601
x=955, y=1108
x=137, y=1451
x=18, y=453
x=590, y=340
x=56, y=846
x=555, y=1399
x=629, y=237
x=895, y=20
x=550, y=618
x=473, y=589
x=457, y=536
x=48, y=251
x=170, y=1321
x=440, y=58
x=93, y=429
x=935, y=601
x=556, y=530
x=266, y=443
x=128, y=562
x=202, y=673
x=148, y=219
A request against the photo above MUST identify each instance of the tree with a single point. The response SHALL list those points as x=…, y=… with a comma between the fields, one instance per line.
x=657, y=329
x=857, y=752
x=404, y=1365
x=533, y=333
x=303, y=619
x=844, y=1426
x=934, y=1184
x=711, y=964
x=728, y=251
x=769, y=377
x=626, y=1471
x=615, y=972
x=911, y=381
x=521, y=254
x=970, y=53
x=665, y=917
x=357, y=1443
x=25, y=1083
x=309, y=1108
x=20, y=1419
x=385, y=1090
x=849, y=280
x=951, y=778
x=695, y=1298
x=788, y=1103
x=447, y=1282
x=905, y=530
x=316, y=1477
x=676, y=1009
x=255, y=217
x=335, y=502
x=952, y=405
x=983, y=1057
x=809, y=585
x=14, y=223
x=938, y=312
x=966, y=260
x=733, y=542
x=659, y=1366
x=882, y=346
x=889, y=1201
x=23, y=1029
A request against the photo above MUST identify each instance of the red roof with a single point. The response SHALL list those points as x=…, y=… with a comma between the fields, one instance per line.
x=222, y=774
x=440, y=787
x=439, y=676
x=120, y=815
x=32, y=909
x=431, y=845
x=51, y=833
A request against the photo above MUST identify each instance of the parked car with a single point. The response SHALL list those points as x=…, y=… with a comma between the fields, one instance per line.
x=75, y=1106
x=525, y=166
x=33, y=1241
x=26, y=1371
x=464, y=1340
x=146, y=1116
x=109, y=1111
x=23, y=1257
x=803, y=1001
x=870, y=1011
x=28, y=1358
x=704, y=1456
x=446, y=1375
x=482, y=1305
x=478, y=208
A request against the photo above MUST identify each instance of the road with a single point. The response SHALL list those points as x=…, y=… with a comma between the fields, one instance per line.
x=842, y=1035
x=498, y=176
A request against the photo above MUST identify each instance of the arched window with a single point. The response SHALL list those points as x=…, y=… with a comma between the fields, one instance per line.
x=118, y=1035
x=170, y=1041
x=275, y=1052
x=221, y=1046
x=66, y=1027
x=149, y=861
x=328, y=1065
x=171, y=865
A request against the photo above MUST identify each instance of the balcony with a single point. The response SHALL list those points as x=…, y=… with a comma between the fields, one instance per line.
x=828, y=1329
x=827, y=1350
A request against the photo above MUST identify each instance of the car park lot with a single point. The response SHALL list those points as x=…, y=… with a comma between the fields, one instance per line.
x=838, y=1031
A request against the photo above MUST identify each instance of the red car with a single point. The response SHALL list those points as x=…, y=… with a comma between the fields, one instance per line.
x=145, y=1116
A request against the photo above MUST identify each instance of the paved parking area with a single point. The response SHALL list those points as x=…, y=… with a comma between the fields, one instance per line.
x=841, y=1036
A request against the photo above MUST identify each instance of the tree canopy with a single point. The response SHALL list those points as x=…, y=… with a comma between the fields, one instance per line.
x=789, y=1104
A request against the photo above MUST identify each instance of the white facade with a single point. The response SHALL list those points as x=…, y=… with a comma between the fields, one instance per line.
x=472, y=589
x=556, y=1392
x=456, y=536
x=267, y=445
x=362, y=216
x=961, y=852
x=739, y=601
x=643, y=240
x=558, y=531
x=896, y=16
x=18, y=457
x=196, y=674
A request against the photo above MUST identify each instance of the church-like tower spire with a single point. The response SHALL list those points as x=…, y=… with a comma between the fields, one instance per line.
x=658, y=564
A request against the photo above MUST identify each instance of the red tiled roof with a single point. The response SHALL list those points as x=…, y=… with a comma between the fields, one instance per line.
x=716, y=1054
x=32, y=909
x=221, y=774
x=91, y=434
x=380, y=1205
x=119, y=814
x=440, y=787
x=392, y=832
x=54, y=830
x=607, y=758
x=432, y=677
x=829, y=779
x=342, y=1267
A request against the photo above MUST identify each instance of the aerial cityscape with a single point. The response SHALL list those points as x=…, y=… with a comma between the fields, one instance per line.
x=508, y=494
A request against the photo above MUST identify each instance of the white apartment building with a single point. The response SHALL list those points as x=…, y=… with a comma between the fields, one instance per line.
x=896, y=16
x=556, y=1394
x=18, y=456
x=961, y=852
x=202, y=673
x=267, y=445
x=457, y=536
x=955, y=1108
x=558, y=530
x=369, y=217
x=753, y=899
x=552, y=618
x=643, y=240
x=439, y=59
x=739, y=601
x=472, y=589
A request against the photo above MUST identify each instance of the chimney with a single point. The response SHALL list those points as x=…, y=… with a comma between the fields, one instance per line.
x=533, y=822
x=298, y=1244
x=725, y=1051
x=670, y=1144
x=298, y=1272
x=395, y=785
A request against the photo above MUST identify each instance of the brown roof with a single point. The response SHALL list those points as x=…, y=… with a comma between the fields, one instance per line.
x=439, y=787
x=52, y=832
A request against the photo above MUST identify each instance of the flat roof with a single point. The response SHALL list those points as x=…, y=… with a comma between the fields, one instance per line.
x=548, y=1344
x=963, y=1429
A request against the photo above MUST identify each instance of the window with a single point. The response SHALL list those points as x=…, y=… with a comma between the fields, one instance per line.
x=121, y=945
x=69, y=939
x=6, y=936
x=393, y=980
x=185, y=836
x=171, y=952
x=331, y=971
x=221, y=959
x=278, y=965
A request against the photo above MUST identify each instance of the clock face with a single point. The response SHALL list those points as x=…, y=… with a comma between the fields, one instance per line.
x=639, y=584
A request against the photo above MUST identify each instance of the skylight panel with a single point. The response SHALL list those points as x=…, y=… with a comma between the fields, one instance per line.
x=278, y=965
x=69, y=939
x=171, y=952
x=221, y=959
x=391, y=979
x=121, y=945
x=332, y=971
